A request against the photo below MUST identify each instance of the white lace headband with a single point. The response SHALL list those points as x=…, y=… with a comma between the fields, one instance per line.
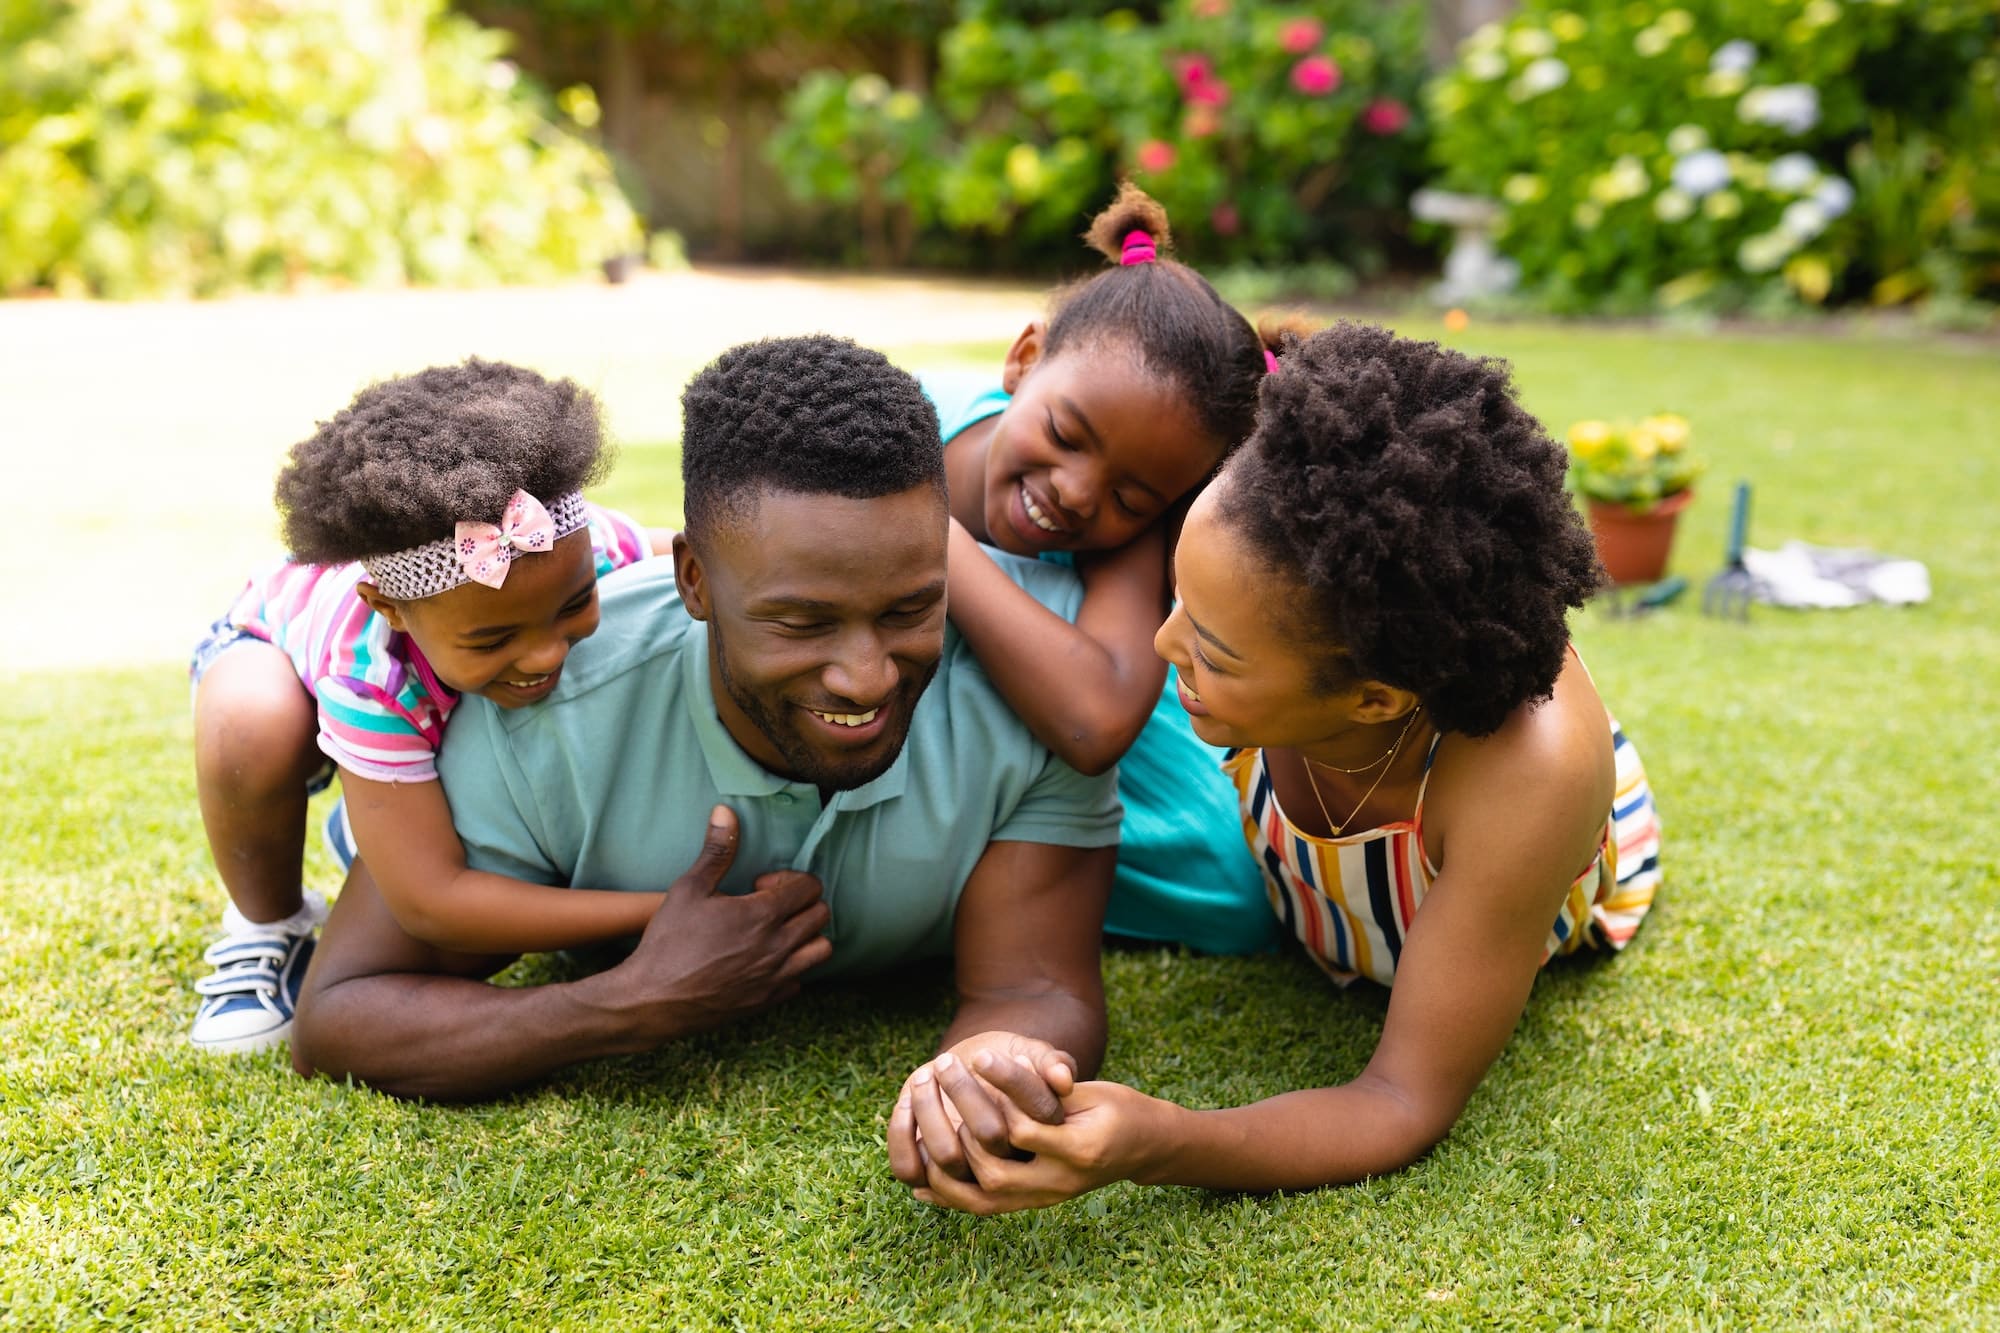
x=477, y=552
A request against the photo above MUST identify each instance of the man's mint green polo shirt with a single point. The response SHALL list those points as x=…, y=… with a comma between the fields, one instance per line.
x=608, y=782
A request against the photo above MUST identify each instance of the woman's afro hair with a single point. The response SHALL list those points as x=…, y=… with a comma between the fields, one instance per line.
x=1420, y=511
x=409, y=458
x=810, y=415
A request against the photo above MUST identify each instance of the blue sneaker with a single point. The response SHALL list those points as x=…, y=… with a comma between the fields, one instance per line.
x=248, y=1001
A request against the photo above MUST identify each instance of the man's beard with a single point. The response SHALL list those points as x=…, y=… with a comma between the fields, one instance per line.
x=807, y=762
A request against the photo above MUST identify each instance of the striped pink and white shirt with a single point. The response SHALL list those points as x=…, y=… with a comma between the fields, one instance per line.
x=382, y=710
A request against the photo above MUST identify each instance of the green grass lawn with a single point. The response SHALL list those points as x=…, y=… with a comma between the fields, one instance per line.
x=1777, y=1108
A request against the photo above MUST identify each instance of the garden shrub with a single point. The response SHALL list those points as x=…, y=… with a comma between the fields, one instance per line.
x=154, y=147
x=1723, y=153
x=1271, y=133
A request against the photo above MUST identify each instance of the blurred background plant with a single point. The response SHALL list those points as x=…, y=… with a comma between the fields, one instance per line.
x=1634, y=464
x=171, y=147
x=1279, y=135
x=1708, y=156
x=1732, y=154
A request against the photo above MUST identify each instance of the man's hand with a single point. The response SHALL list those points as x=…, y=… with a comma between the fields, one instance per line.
x=966, y=1094
x=708, y=957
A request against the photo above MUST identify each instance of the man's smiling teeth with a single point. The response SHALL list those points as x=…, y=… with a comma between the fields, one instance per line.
x=1035, y=514
x=846, y=719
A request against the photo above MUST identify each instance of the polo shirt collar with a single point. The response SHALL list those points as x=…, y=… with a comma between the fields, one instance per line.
x=735, y=773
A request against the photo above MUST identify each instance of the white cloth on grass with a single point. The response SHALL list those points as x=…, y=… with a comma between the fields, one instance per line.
x=1799, y=574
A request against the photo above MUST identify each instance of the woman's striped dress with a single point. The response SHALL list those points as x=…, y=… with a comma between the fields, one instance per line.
x=1351, y=900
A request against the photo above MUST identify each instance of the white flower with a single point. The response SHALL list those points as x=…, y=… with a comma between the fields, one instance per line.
x=1802, y=220
x=1627, y=179
x=1685, y=139
x=867, y=90
x=1792, y=107
x=1673, y=205
x=1834, y=196
x=1652, y=41
x=1762, y=253
x=1794, y=173
x=1485, y=65
x=1545, y=75
x=1529, y=43
x=1733, y=57
x=1701, y=173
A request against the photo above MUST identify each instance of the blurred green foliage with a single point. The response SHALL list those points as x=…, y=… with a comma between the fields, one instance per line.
x=154, y=147
x=1270, y=133
x=1730, y=153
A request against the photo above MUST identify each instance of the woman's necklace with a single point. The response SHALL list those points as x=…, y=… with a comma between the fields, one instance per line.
x=1387, y=761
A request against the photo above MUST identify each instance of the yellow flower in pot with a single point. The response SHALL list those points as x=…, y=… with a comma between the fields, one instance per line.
x=1635, y=478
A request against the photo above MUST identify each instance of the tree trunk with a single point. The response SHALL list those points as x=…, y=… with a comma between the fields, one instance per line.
x=729, y=166
x=1452, y=21
x=623, y=81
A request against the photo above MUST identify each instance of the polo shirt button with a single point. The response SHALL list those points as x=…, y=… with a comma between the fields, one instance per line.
x=784, y=798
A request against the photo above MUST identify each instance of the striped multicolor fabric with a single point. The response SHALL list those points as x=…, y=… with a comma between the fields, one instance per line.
x=382, y=710
x=1351, y=900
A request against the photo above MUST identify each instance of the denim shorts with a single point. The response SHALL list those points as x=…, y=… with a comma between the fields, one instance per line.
x=219, y=639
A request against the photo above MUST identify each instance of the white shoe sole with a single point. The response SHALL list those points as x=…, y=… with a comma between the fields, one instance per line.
x=248, y=1044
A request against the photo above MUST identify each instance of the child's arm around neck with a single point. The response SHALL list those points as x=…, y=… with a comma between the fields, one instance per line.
x=1085, y=690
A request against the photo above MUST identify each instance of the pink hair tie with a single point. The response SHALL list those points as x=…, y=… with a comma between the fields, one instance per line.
x=1138, y=248
x=1270, y=362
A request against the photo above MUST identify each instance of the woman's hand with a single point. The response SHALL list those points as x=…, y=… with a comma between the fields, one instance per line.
x=1106, y=1132
x=928, y=1130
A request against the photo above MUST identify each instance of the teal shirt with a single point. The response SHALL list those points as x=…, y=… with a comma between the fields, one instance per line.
x=1185, y=872
x=608, y=782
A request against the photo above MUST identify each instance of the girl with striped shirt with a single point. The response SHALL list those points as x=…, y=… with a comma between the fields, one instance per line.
x=1372, y=613
x=441, y=546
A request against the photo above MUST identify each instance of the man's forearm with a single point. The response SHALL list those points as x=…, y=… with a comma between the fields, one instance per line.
x=451, y=1038
x=1071, y=1022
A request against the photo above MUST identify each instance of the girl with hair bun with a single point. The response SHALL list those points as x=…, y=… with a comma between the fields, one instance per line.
x=1373, y=615
x=1106, y=417
x=440, y=546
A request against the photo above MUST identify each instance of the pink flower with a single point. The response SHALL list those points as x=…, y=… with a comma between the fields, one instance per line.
x=1156, y=155
x=1192, y=71
x=1201, y=122
x=1196, y=76
x=1215, y=93
x=1225, y=219
x=1299, y=36
x=1316, y=76
x=1210, y=9
x=1385, y=115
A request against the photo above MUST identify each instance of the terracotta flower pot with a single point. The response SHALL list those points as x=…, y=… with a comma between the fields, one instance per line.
x=1633, y=546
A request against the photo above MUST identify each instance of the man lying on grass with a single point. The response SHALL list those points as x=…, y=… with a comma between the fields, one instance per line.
x=783, y=710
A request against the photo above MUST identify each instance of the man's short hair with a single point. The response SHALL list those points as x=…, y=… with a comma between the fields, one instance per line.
x=813, y=415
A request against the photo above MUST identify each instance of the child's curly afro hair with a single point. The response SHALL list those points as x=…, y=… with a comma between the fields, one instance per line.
x=410, y=457
x=1421, y=511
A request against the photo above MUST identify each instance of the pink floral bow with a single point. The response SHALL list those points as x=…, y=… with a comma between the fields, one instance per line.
x=485, y=550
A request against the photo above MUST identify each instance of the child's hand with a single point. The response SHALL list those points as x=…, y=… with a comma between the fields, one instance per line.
x=966, y=1093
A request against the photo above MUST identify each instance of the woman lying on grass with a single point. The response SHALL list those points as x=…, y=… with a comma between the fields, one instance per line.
x=1373, y=612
